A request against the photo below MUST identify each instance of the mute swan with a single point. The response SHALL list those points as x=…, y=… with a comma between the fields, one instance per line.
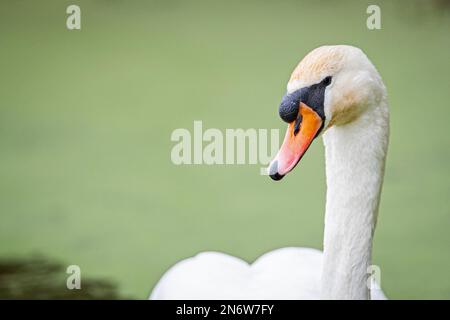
x=335, y=90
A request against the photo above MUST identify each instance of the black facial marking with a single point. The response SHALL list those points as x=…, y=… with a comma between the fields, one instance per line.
x=298, y=123
x=326, y=81
x=288, y=109
x=313, y=96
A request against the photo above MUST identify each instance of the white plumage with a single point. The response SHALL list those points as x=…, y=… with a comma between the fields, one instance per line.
x=356, y=135
x=215, y=275
x=276, y=275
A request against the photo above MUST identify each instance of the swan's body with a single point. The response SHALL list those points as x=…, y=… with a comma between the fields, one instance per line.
x=282, y=274
x=352, y=108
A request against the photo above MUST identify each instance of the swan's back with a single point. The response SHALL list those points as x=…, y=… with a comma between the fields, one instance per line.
x=287, y=273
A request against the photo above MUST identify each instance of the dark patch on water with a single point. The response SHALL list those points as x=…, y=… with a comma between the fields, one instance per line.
x=42, y=278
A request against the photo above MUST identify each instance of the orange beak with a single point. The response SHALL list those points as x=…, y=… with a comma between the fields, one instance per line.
x=299, y=135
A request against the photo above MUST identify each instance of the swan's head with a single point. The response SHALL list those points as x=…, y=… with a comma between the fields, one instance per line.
x=331, y=86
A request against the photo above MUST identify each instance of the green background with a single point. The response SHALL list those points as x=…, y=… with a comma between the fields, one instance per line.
x=86, y=118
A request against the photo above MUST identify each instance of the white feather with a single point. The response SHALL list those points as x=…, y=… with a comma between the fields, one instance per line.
x=356, y=147
x=286, y=273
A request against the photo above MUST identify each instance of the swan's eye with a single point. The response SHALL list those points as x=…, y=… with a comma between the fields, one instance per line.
x=326, y=81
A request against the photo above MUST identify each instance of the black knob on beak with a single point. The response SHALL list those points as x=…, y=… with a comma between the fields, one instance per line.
x=289, y=106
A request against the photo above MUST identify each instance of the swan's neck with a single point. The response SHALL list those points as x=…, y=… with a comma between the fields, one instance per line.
x=355, y=158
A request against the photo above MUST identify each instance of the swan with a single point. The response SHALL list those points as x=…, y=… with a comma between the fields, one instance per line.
x=337, y=92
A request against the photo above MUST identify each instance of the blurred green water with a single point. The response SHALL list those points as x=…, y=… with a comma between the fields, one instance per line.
x=86, y=118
